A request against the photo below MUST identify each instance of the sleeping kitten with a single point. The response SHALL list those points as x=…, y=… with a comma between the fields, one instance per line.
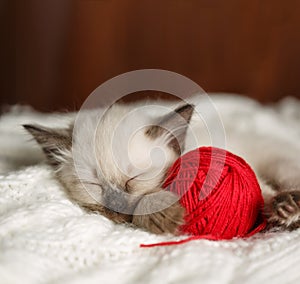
x=121, y=175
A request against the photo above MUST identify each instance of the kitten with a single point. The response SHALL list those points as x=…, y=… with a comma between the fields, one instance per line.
x=121, y=175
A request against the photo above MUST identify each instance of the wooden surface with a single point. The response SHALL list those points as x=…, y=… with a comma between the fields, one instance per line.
x=62, y=50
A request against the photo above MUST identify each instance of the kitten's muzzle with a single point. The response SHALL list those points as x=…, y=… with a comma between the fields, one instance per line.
x=120, y=201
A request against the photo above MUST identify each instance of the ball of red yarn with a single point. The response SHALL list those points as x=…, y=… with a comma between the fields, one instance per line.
x=220, y=193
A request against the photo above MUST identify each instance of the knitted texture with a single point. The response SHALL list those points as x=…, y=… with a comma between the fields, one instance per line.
x=45, y=238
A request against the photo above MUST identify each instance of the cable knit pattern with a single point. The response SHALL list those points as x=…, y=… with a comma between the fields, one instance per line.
x=45, y=238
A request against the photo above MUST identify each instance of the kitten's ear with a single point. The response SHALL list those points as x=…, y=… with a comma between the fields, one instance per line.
x=56, y=143
x=174, y=127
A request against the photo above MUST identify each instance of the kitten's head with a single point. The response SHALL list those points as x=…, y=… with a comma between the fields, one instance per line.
x=129, y=158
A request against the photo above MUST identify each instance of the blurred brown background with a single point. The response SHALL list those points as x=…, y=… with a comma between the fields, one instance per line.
x=54, y=53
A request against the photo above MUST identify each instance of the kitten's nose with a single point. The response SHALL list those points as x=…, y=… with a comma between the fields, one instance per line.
x=118, y=200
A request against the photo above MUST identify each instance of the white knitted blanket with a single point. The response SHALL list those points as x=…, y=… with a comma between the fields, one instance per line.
x=45, y=238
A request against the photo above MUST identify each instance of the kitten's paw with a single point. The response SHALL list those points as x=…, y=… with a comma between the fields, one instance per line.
x=161, y=221
x=285, y=210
